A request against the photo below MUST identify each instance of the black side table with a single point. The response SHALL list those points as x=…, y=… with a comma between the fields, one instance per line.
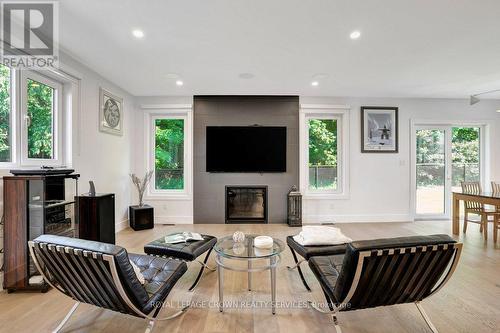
x=141, y=217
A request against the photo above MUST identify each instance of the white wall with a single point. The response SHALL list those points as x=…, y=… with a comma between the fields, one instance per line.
x=166, y=210
x=97, y=156
x=104, y=158
x=380, y=183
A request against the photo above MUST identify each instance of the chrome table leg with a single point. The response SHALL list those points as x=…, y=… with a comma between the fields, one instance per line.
x=272, y=261
x=249, y=275
x=220, y=271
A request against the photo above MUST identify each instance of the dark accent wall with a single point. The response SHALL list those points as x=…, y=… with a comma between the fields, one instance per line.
x=242, y=111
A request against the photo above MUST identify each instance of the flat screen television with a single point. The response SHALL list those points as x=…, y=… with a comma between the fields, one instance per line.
x=246, y=149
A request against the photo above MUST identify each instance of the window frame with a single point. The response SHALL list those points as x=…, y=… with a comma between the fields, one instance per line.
x=13, y=133
x=175, y=112
x=57, y=120
x=340, y=113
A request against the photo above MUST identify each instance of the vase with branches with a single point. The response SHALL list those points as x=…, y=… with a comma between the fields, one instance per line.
x=141, y=184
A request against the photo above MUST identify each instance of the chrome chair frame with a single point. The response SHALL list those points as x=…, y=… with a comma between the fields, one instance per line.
x=297, y=266
x=336, y=308
x=116, y=298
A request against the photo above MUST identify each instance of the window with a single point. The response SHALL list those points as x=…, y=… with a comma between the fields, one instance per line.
x=40, y=114
x=31, y=118
x=324, y=151
x=5, y=114
x=169, y=154
x=40, y=106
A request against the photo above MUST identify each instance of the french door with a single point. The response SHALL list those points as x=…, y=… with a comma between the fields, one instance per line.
x=443, y=157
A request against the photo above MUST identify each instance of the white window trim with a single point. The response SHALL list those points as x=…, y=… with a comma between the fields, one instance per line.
x=12, y=121
x=14, y=133
x=341, y=114
x=69, y=110
x=174, y=111
x=57, y=128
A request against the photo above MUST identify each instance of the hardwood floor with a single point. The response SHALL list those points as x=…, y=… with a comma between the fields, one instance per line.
x=469, y=303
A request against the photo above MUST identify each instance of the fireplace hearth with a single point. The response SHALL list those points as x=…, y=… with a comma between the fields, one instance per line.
x=246, y=204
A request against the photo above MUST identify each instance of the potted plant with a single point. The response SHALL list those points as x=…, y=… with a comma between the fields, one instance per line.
x=141, y=216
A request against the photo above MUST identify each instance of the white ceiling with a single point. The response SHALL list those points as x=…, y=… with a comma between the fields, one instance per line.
x=408, y=48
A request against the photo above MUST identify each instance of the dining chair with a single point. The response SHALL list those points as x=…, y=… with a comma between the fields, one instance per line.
x=477, y=208
x=495, y=188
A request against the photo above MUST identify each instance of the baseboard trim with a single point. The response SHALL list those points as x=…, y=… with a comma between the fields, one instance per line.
x=173, y=219
x=315, y=219
x=121, y=225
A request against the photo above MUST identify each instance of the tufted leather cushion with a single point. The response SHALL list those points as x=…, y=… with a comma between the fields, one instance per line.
x=188, y=251
x=160, y=276
x=310, y=251
x=327, y=270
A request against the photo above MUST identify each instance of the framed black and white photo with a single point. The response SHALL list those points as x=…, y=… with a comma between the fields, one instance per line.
x=379, y=129
x=110, y=113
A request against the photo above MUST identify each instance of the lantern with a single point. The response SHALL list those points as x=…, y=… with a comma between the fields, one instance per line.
x=294, y=207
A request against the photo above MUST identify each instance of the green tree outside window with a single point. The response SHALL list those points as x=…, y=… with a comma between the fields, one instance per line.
x=169, y=154
x=40, y=113
x=322, y=154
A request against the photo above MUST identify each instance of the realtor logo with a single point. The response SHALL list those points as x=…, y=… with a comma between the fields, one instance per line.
x=29, y=33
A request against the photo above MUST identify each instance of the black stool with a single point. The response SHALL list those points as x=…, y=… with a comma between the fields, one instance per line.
x=188, y=251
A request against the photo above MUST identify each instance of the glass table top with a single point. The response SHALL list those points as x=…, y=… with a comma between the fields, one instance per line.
x=227, y=247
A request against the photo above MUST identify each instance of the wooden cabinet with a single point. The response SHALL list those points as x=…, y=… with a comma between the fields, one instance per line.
x=34, y=205
x=96, y=217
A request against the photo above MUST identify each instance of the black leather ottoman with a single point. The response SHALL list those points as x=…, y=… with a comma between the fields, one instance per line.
x=307, y=252
x=188, y=251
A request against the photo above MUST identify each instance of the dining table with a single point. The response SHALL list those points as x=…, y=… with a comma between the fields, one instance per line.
x=485, y=198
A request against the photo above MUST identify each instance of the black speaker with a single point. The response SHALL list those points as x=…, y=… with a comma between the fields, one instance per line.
x=96, y=217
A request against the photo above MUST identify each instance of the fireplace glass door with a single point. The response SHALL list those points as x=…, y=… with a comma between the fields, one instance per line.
x=246, y=204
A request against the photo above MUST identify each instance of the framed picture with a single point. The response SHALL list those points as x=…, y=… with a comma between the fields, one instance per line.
x=110, y=113
x=379, y=129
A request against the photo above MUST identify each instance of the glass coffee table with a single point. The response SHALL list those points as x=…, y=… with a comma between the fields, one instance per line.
x=228, y=251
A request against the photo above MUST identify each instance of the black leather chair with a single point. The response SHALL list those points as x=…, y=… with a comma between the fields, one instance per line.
x=306, y=252
x=384, y=272
x=101, y=274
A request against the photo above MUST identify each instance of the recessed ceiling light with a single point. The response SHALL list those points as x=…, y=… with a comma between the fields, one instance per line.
x=138, y=33
x=246, y=76
x=179, y=83
x=498, y=110
x=355, y=34
x=315, y=83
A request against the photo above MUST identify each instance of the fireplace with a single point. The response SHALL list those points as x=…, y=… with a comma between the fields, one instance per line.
x=246, y=204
